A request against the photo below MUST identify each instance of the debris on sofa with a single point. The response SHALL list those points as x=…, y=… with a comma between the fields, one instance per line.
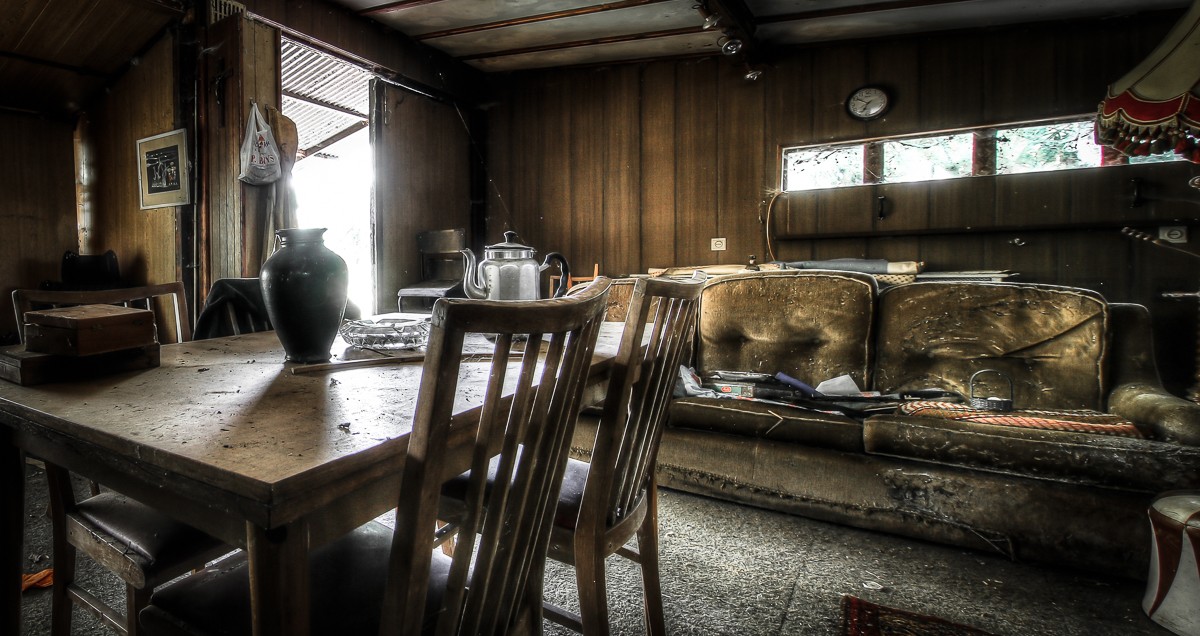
x=862, y=265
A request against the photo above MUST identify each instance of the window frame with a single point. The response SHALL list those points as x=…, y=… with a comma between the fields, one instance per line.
x=984, y=152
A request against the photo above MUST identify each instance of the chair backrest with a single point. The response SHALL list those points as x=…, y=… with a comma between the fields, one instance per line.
x=234, y=306
x=522, y=432
x=659, y=328
x=152, y=297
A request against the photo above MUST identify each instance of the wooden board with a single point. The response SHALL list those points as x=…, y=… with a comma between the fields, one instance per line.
x=29, y=368
x=87, y=330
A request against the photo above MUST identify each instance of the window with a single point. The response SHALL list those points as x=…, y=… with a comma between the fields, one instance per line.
x=830, y=167
x=1059, y=145
x=927, y=158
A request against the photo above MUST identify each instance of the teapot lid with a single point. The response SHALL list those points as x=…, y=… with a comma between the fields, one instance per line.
x=510, y=248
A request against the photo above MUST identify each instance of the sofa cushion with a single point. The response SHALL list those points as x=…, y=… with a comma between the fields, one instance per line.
x=812, y=325
x=1078, y=458
x=774, y=422
x=1051, y=341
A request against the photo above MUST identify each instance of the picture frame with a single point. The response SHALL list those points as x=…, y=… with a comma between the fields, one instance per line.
x=162, y=164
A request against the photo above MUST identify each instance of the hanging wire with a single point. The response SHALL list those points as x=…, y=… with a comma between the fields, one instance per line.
x=475, y=149
x=767, y=224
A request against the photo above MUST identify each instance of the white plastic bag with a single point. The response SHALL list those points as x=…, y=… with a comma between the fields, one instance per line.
x=260, y=153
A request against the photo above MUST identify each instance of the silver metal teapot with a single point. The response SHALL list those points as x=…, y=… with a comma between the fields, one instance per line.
x=509, y=272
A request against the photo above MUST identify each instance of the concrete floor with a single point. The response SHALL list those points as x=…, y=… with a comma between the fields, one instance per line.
x=739, y=571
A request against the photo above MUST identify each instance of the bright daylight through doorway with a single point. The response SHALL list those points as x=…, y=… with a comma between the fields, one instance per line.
x=333, y=191
x=328, y=99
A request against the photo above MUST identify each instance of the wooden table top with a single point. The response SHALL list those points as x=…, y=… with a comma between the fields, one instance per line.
x=230, y=415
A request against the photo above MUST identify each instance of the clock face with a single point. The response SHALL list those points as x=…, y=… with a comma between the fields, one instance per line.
x=867, y=103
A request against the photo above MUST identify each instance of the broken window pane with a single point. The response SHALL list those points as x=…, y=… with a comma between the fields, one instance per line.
x=927, y=158
x=1061, y=146
x=815, y=168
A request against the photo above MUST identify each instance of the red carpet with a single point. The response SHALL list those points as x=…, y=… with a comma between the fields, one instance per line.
x=862, y=618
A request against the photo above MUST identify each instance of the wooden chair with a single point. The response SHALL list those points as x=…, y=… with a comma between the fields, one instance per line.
x=573, y=280
x=606, y=502
x=152, y=297
x=397, y=579
x=137, y=543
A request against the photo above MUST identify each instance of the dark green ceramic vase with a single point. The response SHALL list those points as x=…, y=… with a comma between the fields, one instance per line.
x=304, y=288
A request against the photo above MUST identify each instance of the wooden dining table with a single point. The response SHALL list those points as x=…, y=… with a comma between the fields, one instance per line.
x=270, y=456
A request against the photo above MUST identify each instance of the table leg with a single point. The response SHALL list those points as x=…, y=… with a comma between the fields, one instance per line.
x=12, y=532
x=279, y=585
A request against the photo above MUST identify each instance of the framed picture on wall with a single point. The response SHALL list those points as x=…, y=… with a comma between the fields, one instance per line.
x=163, y=170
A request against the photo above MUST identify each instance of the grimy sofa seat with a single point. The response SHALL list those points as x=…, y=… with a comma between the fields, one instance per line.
x=1064, y=497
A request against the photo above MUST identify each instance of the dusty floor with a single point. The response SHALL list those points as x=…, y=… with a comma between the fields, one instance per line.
x=740, y=571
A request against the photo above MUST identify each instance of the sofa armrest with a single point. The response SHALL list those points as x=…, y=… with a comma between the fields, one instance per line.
x=1137, y=393
x=1169, y=417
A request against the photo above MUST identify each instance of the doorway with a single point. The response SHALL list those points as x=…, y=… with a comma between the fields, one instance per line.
x=332, y=180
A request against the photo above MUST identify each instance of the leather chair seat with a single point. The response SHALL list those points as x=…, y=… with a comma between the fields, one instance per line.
x=569, y=499
x=348, y=578
x=163, y=543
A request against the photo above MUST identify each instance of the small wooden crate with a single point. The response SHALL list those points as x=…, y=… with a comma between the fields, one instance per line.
x=88, y=330
x=28, y=368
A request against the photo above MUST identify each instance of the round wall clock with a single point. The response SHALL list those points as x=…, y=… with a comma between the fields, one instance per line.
x=867, y=103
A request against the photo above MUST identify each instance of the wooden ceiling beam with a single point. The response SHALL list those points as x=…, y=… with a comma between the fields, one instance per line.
x=329, y=141
x=77, y=70
x=326, y=105
x=543, y=17
x=399, y=5
x=582, y=43
x=862, y=9
x=171, y=7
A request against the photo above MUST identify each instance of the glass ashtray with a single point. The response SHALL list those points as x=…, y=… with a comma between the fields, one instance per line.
x=386, y=333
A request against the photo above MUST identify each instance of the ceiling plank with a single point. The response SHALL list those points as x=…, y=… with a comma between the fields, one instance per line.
x=78, y=70
x=860, y=9
x=393, y=7
x=531, y=19
x=583, y=43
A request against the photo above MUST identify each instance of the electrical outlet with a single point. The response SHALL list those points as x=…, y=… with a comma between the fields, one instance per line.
x=1173, y=233
x=718, y=245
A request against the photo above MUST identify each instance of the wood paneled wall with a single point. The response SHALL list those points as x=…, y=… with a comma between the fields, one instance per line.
x=422, y=182
x=243, y=68
x=141, y=104
x=342, y=30
x=37, y=205
x=639, y=166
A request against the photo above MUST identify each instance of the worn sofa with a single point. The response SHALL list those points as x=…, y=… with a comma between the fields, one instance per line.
x=1058, y=496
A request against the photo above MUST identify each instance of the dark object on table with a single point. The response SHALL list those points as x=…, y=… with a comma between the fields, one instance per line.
x=304, y=288
x=234, y=306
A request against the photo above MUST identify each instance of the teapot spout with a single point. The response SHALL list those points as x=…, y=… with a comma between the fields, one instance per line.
x=472, y=286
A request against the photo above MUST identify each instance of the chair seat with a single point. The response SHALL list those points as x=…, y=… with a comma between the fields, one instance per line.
x=348, y=579
x=162, y=543
x=569, y=498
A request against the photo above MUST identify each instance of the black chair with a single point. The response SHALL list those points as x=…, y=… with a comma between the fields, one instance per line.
x=82, y=272
x=234, y=306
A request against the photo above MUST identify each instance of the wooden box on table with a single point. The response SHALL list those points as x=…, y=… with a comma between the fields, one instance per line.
x=88, y=330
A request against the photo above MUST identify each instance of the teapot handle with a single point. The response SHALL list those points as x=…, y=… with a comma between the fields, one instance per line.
x=564, y=279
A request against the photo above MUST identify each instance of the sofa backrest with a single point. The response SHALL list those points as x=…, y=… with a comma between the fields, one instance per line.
x=810, y=324
x=1051, y=341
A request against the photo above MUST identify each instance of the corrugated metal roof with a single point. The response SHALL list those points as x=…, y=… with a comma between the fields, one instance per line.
x=326, y=96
